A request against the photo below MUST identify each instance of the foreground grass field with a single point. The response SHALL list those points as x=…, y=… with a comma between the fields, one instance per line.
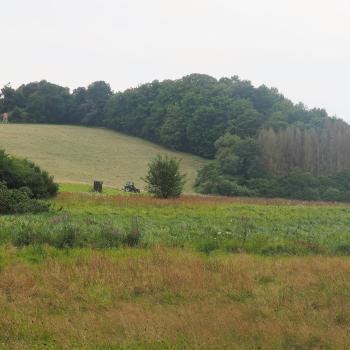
x=171, y=299
x=134, y=272
x=79, y=154
x=205, y=224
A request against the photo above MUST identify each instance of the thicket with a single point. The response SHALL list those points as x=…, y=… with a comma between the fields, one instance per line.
x=238, y=170
x=18, y=201
x=17, y=173
x=23, y=185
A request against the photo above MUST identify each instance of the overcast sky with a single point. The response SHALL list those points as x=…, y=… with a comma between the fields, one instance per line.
x=302, y=47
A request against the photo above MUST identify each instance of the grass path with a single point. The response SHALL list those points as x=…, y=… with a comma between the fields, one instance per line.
x=80, y=154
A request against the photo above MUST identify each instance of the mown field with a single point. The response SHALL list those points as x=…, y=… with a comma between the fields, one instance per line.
x=134, y=272
x=80, y=154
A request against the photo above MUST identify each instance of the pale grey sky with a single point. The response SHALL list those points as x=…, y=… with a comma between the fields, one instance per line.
x=302, y=47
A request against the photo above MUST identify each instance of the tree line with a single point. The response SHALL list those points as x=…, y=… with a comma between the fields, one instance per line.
x=188, y=114
x=252, y=134
x=239, y=170
x=324, y=151
x=44, y=102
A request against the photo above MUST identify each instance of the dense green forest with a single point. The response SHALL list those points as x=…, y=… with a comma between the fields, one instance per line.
x=188, y=114
x=260, y=141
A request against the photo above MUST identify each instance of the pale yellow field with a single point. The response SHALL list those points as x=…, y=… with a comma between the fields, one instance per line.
x=80, y=154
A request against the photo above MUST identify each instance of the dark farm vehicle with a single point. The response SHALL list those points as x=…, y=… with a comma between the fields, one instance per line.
x=130, y=187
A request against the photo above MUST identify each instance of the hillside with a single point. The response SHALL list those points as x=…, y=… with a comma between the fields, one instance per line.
x=80, y=154
x=262, y=144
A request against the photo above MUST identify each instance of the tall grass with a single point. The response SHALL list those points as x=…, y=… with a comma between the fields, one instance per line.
x=200, y=223
x=135, y=272
x=171, y=299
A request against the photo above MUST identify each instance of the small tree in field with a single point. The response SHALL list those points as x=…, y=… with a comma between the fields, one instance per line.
x=164, y=179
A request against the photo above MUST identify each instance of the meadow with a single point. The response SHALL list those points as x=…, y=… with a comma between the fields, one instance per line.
x=82, y=155
x=204, y=224
x=114, y=271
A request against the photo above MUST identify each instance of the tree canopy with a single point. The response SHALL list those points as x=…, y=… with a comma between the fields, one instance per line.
x=254, y=135
x=189, y=114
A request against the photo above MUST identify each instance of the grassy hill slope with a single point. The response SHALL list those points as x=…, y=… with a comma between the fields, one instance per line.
x=80, y=154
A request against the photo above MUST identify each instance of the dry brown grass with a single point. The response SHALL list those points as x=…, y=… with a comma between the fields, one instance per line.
x=187, y=200
x=175, y=298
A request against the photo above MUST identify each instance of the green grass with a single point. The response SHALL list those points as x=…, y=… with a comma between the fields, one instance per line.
x=110, y=271
x=85, y=188
x=77, y=154
x=203, y=224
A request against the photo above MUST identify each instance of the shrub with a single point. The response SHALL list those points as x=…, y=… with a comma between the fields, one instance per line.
x=13, y=201
x=265, y=187
x=164, y=179
x=332, y=194
x=17, y=173
x=210, y=181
